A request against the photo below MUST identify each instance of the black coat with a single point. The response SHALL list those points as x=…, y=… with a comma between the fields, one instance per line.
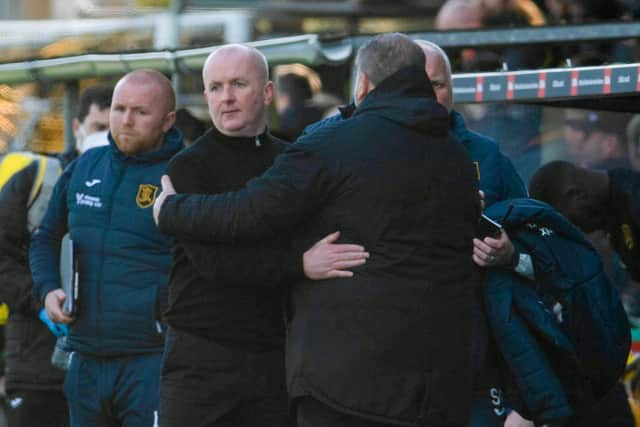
x=29, y=343
x=224, y=292
x=392, y=343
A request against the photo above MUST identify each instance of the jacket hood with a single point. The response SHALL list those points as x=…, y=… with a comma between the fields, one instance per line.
x=172, y=144
x=407, y=97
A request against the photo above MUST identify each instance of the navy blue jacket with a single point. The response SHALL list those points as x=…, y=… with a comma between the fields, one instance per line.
x=391, y=344
x=498, y=178
x=105, y=199
x=565, y=336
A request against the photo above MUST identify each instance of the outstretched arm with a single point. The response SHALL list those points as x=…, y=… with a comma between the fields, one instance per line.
x=268, y=261
x=273, y=264
x=294, y=187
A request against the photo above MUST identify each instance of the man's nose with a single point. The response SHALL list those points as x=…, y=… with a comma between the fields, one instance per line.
x=127, y=117
x=228, y=93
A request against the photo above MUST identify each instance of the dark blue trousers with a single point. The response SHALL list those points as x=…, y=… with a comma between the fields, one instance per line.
x=113, y=391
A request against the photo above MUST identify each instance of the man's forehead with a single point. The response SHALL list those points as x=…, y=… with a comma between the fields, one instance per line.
x=140, y=90
x=435, y=62
x=230, y=64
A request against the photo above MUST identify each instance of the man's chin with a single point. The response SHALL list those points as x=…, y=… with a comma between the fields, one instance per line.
x=127, y=147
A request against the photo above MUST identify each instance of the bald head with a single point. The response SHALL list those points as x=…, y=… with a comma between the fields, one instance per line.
x=160, y=84
x=142, y=111
x=237, y=90
x=237, y=52
x=459, y=15
x=438, y=68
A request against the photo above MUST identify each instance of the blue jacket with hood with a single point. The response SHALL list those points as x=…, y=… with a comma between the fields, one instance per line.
x=565, y=335
x=104, y=199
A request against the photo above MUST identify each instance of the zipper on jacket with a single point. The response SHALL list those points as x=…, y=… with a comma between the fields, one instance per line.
x=105, y=230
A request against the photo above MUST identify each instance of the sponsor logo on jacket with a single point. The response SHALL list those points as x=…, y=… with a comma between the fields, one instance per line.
x=146, y=195
x=476, y=166
x=87, y=200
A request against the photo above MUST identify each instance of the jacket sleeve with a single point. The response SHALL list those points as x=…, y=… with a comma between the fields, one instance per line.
x=513, y=187
x=15, y=276
x=294, y=187
x=263, y=262
x=44, y=254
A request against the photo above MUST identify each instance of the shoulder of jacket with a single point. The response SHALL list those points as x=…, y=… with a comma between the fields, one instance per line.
x=22, y=180
x=279, y=141
x=482, y=142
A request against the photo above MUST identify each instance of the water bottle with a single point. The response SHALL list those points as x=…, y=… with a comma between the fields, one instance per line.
x=60, y=356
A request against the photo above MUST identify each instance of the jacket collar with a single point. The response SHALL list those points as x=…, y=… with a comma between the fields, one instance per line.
x=239, y=142
x=172, y=144
x=407, y=97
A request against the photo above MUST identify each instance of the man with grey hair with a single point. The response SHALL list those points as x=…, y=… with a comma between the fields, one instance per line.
x=390, y=345
x=224, y=361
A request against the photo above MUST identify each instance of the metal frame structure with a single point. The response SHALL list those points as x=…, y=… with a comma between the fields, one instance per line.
x=554, y=85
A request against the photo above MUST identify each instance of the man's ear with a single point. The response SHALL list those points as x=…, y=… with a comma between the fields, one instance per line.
x=363, y=87
x=75, y=126
x=268, y=93
x=169, y=121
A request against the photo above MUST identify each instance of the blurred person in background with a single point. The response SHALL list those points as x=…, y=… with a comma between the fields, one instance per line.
x=596, y=139
x=33, y=385
x=515, y=126
x=294, y=105
x=607, y=200
x=191, y=127
x=93, y=117
x=633, y=142
x=460, y=15
x=599, y=201
x=104, y=200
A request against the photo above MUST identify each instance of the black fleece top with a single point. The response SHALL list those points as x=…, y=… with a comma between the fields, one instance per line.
x=231, y=293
